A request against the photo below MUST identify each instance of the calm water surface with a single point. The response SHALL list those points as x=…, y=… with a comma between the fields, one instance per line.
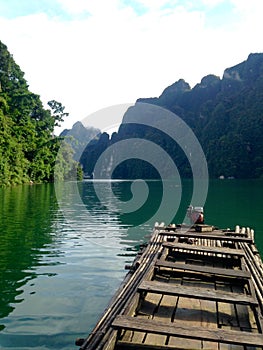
x=60, y=263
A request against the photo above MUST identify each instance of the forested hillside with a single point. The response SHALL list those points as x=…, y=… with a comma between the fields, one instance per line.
x=225, y=114
x=28, y=148
x=79, y=136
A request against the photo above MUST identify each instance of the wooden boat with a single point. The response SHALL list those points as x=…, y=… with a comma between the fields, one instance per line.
x=190, y=288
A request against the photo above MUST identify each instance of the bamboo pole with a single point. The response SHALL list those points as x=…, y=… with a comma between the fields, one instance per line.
x=256, y=275
x=125, y=293
x=252, y=235
x=243, y=230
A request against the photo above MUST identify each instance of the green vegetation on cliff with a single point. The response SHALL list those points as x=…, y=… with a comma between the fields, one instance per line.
x=28, y=148
x=226, y=115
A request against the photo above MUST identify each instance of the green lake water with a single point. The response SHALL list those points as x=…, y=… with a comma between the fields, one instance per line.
x=63, y=252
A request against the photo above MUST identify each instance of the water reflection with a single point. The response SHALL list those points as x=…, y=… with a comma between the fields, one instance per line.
x=60, y=263
x=131, y=205
x=27, y=213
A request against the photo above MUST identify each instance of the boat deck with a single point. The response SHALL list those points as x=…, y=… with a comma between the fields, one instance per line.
x=187, y=290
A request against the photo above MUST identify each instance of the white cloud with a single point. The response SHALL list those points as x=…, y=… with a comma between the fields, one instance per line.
x=113, y=55
x=94, y=8
x=248, y=7
x=212, y=3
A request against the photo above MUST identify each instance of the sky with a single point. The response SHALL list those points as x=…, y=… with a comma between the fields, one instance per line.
x=93, y=54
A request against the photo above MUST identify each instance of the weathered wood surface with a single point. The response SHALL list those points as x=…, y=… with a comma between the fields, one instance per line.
x=219, y=237
x=124, y=296
x=196, y=293
x=178, y=329
x=204, y=269
x=197, y=248
x=204, y=294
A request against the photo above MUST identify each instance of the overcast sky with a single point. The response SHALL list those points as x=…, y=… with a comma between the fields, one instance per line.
x=92, y=54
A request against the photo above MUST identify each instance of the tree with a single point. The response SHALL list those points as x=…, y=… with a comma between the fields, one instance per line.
x=28, y=148
x=57, y=112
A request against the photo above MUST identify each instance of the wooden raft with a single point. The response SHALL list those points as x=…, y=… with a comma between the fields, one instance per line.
x=190, y=288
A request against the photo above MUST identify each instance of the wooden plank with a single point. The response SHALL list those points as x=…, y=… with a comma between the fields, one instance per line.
x=184, y=313
x=227, y=317
x=191, y=316
x=163, y=310
x=207, y=236
x=209, y=320
x=148, y=307
x=123, y=345
x=204, y=269
x=146, y=310
x=245, y=315
x=205, y=317
x=214, y=250
x=195, y=292
x=177, y=328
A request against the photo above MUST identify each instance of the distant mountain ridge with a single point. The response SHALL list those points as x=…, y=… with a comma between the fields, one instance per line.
x=79, y=136
x=225, y=114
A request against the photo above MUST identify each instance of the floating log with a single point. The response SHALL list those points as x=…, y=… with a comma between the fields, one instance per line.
x=189, y=289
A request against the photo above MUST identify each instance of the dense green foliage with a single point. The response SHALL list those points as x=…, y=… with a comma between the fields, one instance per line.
x=225, y=114
x=28, y=148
